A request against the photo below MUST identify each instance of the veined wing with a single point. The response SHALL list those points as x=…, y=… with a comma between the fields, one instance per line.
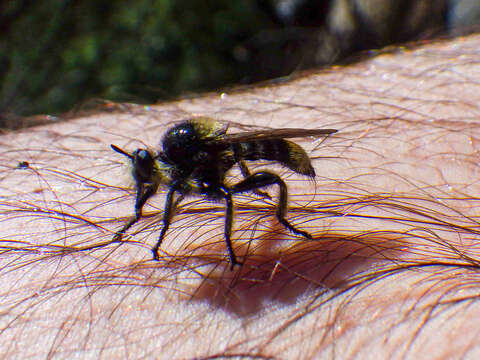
x=271, y=134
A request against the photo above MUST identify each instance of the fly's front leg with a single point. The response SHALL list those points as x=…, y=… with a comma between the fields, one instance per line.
x=228, y=226
x=143, y=194
x=168, y=212
x=265, y=178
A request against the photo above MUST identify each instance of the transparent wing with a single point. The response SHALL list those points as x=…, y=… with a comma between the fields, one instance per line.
x=270, y=134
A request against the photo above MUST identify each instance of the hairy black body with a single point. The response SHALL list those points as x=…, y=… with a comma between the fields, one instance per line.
x=196, y=157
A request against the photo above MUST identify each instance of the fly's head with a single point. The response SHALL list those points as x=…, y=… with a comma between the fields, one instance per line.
x=143, y=163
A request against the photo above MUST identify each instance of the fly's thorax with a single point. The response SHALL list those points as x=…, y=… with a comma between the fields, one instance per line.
x=211, y=171
x=225, y=160
x=207, y=128
x=162, y=173
x=186, y=140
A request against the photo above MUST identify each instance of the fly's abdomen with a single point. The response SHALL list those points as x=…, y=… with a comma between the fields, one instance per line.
x=283, y=151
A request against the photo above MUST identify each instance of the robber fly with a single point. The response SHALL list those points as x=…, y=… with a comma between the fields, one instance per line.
x=195, y=158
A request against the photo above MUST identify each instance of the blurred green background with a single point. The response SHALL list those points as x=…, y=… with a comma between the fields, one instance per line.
x=56, y=54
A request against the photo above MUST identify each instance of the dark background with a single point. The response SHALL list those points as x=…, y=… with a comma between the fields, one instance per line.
x=55, y=54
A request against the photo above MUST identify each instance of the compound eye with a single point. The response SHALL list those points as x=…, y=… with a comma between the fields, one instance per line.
x=144, y=155
x=143, y=165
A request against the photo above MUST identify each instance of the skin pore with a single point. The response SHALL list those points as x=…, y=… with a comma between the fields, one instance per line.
x=392, y=271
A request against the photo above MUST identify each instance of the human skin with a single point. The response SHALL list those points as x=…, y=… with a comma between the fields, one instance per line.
x=392, y=271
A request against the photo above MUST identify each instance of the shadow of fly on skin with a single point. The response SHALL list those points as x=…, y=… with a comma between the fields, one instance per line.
x=195, y=159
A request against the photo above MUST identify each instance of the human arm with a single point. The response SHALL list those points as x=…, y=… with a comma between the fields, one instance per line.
x=392, y=269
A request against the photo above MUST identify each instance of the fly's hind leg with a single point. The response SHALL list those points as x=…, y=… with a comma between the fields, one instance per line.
x=246, y=173
x=265, y=178
x=143, y=194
